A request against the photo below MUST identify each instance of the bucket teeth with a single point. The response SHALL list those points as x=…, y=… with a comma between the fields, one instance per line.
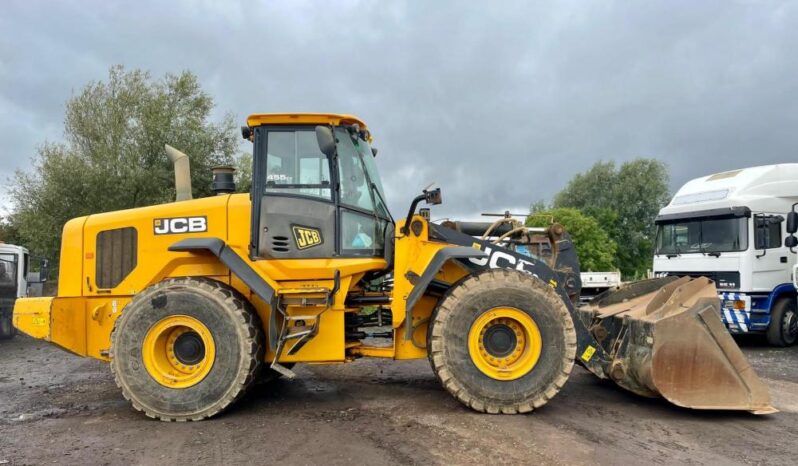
x=665, y=338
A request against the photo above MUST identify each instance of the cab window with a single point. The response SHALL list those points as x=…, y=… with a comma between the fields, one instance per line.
x=767, y=231
x=361, y=234
x=295, y=165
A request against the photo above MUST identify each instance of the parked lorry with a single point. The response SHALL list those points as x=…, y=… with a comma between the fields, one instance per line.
x=731, y=227
x=15, y=282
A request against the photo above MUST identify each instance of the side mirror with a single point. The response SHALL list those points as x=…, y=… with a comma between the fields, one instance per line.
x=41, y=275
x=326, y=140
x=792, y=222
x=44, y=270
x=433, y=197
x=790, y=241
x=430, y=196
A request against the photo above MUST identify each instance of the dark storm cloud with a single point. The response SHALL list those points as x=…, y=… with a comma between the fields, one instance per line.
x=500, y=106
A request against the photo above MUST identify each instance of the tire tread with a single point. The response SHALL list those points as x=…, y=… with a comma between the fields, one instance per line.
x=496, y=278
x=248, y=326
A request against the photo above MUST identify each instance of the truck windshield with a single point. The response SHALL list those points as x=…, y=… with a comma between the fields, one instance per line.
x=702, y=235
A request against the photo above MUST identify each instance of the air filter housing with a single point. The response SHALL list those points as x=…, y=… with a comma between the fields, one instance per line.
x=223, y=180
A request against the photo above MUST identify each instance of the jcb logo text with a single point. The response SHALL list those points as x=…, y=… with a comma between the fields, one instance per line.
x=178, y=225
x=307, y=237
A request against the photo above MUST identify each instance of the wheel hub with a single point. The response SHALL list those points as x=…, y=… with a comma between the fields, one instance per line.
x=189, y=348
x=504, y=343
x=178, y=351
x=499, y=340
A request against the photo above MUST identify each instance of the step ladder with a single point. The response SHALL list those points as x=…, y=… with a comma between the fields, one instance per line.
x=315, y=301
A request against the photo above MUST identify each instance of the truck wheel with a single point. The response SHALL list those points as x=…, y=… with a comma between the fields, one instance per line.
x=7, y=329
x=502, y=342
x=783, y=328
x=186, y=349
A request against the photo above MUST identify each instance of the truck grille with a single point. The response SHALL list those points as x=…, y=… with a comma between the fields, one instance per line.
x=723, y=280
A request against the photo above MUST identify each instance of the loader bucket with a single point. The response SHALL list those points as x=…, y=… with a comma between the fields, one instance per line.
x=665, y=338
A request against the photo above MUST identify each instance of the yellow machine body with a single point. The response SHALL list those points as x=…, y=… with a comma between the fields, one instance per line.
x=520, y=328
x=80, y=319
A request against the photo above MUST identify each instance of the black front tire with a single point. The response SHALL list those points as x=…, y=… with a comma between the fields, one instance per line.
x=464, y=305
x=237, y=335
x=783, y=328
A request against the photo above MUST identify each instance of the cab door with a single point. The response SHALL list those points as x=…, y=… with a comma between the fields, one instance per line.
x=294, y=213
x=770, y=263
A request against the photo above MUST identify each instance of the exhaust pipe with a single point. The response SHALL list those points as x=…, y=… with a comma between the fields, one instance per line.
x=182, y=173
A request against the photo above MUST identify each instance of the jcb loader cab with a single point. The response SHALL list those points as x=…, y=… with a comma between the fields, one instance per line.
x=194, y=300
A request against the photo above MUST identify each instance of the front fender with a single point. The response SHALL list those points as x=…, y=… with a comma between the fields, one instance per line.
x=432, y=269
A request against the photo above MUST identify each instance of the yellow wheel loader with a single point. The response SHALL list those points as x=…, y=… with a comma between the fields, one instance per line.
x=193, y=301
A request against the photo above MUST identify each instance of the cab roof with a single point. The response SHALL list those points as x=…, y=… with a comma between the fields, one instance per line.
x=335, y=119
x=767, y=188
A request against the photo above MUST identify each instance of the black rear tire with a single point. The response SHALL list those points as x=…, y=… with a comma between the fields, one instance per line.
x=475, y=299
x=235, y=331
x=7, y=330
x=783, y=328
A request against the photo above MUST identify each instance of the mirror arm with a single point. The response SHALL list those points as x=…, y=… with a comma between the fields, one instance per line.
x=413, y=205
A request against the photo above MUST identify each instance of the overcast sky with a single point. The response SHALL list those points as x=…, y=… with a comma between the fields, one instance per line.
x=500, y=105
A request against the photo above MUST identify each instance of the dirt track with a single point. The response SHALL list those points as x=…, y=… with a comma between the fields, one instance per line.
x=57, y=408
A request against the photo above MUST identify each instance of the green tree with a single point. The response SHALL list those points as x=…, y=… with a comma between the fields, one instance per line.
x=243, y=175
x=8, y=232
x=625, y=202
x=112, y=156
x=594, y=246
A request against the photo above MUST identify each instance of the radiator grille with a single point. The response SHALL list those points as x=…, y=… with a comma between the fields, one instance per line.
x=117, y=252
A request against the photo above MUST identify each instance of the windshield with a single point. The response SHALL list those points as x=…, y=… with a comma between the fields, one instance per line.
x=360, y=182
x=8, y=270
x=364, y=215
x=705, y=235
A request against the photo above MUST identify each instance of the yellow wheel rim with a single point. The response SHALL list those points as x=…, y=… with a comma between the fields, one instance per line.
x=504, y=343
x=178, y=351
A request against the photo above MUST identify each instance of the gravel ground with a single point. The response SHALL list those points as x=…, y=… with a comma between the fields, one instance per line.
x=58, y=408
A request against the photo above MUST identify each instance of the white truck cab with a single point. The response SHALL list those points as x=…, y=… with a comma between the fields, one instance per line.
x=731, y=227
x=15, y=282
